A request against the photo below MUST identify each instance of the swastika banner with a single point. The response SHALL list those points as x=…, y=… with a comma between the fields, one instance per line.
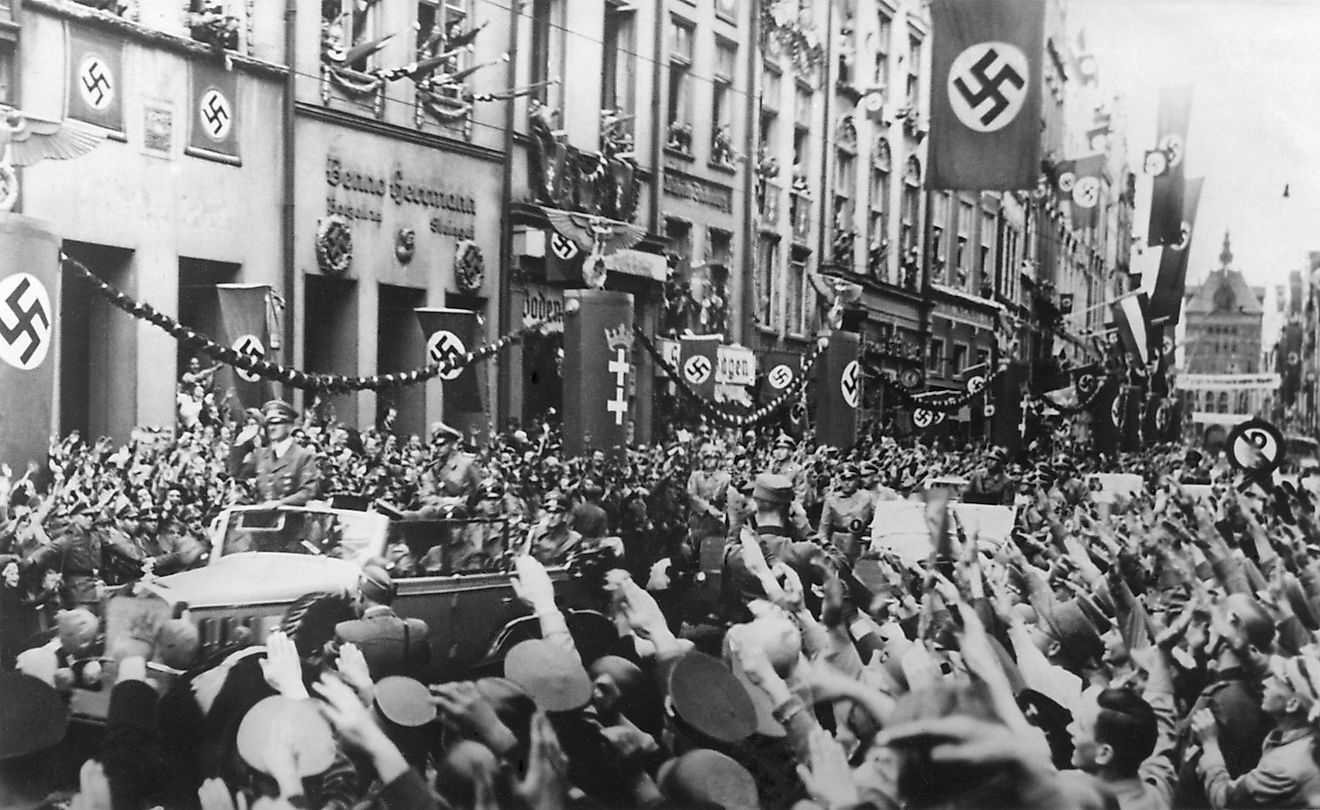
x=95, y=92
x=598, y=371
x=1167, y=297
x=778, y=371
x=1085, y=196
x=697, y=358
x=244, y=327
x=1166, y=163
x=29, y=288
x=452, y=334
x=213, y=111
x=985, y=93
x=838, y=390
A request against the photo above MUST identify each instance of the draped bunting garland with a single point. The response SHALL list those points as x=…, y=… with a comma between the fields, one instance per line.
x=333, y=383
x=753, y=419
x=947, y=403
x=1080, y=407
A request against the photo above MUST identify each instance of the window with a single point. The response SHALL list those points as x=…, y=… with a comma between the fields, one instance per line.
x=767, y=277
x=911, y=210
x=6, y=72
x=878, y=45
x=797, y=292
x=845, y=189
x=721, y=114
x=913, y=87
x=681, y=35
x=959, y=358
x=1006, y=271
x=548, y=52
x=619, y=70
x=966, y=215
x=720, y=247
x=678, y=235
x=726, y=9
x=772, y=87
x=354, y=24
x=985, y=263
x=935, y=359
x=939, y=220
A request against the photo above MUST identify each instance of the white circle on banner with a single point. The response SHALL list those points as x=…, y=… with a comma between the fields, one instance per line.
x=250, y=346
x=1086, y=192
x=1066, y=182
x=923, y=418
x=96, y=82
x=697, y=369
x=25, y=321
x=445, y=346
x=850, y=384
x=780, y=376
x=1172, y=146
x=988, y=85
x=975, y=385
x=215, y=115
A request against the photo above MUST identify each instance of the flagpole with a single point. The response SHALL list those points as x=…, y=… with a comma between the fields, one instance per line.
x=1103, y=304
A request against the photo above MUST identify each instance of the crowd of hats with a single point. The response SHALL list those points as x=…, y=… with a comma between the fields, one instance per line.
x=276, y=372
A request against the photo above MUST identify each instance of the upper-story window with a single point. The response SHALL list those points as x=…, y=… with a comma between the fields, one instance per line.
x=878, y=222
x=966, y=215
x=618, y=84
x=727, y=9
x=987, y=256
x=722, y=103
x=681, y=36
x=912, y=89
x=878, y=44
x=548, y=52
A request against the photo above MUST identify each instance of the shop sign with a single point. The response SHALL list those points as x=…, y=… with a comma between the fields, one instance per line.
x=455, y=213
x=689, y=187
x=735, y=365
x=540, y=303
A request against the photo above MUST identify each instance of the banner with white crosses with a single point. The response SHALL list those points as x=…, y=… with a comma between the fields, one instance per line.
x=213, y=112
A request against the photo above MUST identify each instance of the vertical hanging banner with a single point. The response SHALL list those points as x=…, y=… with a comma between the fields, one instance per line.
x=1134, y=406
x=1130, y=318
x=985, y=93
x=29, y=288
x=1006, y=420
x=1065, y=178
x=95, y=93
x=244, y=327
x=697, y=358
x=598, y=371
x=1167, y=297
x=451, y=334
x=839, y=390
x=1085, y=194
x=779, y=370
x=1165, y=164
x=213, y=127
x=1107, y=414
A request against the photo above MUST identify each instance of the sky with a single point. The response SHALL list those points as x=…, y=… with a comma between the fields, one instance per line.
x=1255, y=122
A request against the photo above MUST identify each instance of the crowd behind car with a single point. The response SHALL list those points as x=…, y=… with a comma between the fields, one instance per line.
x=1155, y=649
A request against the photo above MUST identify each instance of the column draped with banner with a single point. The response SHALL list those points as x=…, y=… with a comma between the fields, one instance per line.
x=245, y=327
x=838, y=390
x=598, y=371
x=986, y=93
x=29, y=288
x=452, y=334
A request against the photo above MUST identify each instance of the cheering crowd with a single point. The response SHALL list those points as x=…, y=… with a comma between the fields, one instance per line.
x=757, y=649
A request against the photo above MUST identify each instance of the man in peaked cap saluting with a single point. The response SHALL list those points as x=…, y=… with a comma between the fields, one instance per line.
x=283, y=473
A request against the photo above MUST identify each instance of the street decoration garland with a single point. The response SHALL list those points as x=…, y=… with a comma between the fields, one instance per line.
x=721, y=415
x=950, y=402
x=333, y=383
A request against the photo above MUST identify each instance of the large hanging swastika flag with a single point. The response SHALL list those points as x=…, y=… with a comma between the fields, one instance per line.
x=213, y=117
x=95, y=93
x=245, y=328
x=985, y=93
x=1166, y=162
x=451, y=334
x=29, y=285
x=1167, y=297
x=697, y=360
x=838, y=391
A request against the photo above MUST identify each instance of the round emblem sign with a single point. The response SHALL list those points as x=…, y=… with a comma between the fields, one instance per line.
x=1066, y=182
x=215, y=115
x=910, y=378
x=873, y=103
x=1086, y=384
x=96, y=84
x=696, y=369
x=1255, y=446
x=445, y=346
x=975, y=385
x=1086, y=192
x=249, y=345
x=923, y=418
x=25, y=321
x=780, y=376
x=850, y=384
x=988, y=85
x=1156, y=163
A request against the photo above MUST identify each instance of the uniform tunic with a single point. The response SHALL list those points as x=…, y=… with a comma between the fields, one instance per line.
x=845, y=519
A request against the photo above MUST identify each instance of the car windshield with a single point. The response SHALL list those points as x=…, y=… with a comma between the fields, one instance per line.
x=294, y=531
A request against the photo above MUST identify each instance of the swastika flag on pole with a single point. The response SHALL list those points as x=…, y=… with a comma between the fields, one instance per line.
x=985, y=94
x=96, y=75
x=213, y=112
x=1166, y=163
x=1167, y=297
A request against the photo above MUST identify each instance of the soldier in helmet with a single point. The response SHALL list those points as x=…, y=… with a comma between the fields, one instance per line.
x=846, y=514
x=283, y=472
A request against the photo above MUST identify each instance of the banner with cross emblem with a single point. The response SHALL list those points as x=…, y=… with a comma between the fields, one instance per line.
x=213, y=124
x=599, y=378
x=95, y=93
x=985, y=93
x=245, y=328
x=451, y=334
x=838, y=390
x=29, y=287
x=697, y=358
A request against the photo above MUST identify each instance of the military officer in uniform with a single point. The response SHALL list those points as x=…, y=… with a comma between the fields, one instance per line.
x=846, y=514
x=391, y=644
x=76, y=554
x=708, y=495
x=782, y=463
x=283, y=473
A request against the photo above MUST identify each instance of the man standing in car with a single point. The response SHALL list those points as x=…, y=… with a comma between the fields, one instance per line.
x=283, y=473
